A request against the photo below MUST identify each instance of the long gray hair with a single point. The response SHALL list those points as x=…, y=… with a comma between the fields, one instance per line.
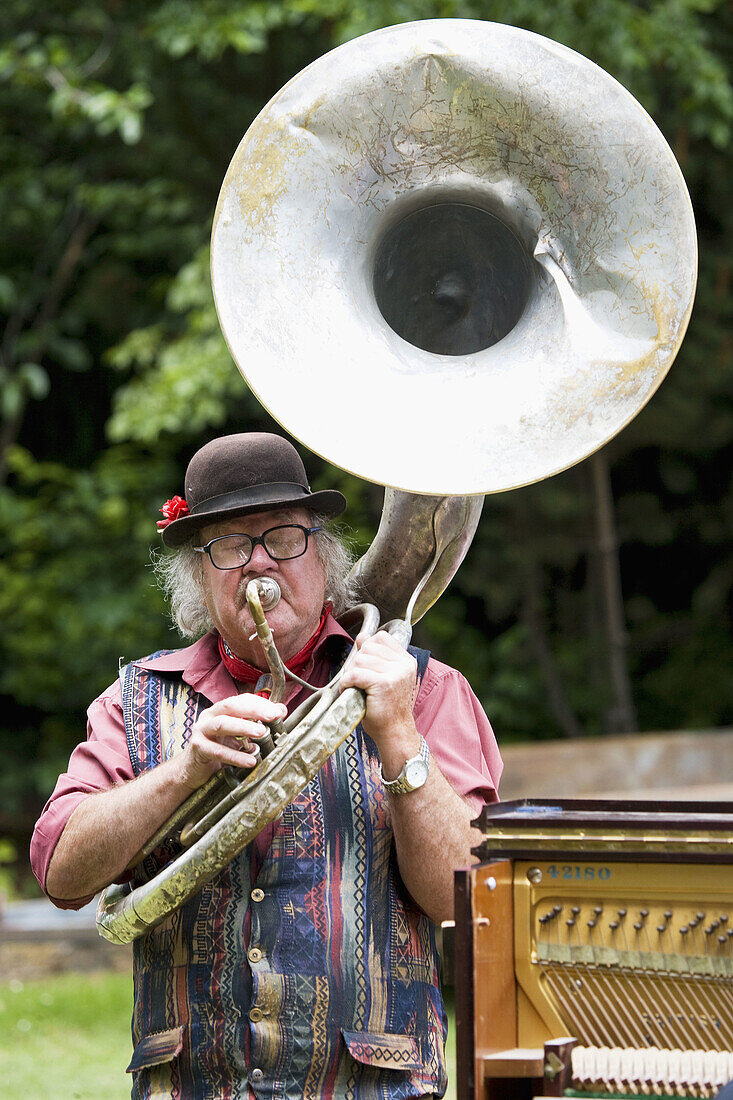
x=179, y=574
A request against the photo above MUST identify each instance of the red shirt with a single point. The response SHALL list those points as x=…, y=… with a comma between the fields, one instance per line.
x=447, y=714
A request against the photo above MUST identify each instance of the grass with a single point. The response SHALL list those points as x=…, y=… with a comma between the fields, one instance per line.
x=68, y=1038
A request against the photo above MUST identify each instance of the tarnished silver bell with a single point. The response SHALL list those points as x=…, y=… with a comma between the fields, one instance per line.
x=464, y=237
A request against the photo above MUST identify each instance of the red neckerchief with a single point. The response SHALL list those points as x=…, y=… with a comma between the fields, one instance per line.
x=245, y=673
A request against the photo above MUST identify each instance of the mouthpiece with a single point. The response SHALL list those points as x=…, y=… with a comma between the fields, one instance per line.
x=268, y=590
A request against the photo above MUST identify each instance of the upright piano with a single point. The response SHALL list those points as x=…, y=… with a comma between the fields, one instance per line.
x=594, y=951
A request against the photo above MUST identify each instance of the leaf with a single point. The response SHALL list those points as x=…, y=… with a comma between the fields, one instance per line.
x=11, y=399
x=8, y=293
x=34, y=380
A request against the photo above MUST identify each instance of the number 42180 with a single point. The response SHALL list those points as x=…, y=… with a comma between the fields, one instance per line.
x=586, y=873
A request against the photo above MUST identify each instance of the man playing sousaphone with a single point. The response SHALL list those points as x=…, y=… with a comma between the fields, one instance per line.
x=307, y=967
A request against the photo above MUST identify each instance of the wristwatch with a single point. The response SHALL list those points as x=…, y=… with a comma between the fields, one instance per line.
x=414, y=772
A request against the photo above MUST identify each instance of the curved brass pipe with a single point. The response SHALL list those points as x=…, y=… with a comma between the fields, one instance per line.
x=124, y=914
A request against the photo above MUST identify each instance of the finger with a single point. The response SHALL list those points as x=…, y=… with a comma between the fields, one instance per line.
x=385, y=663
x=373, y=671
x=384, y=638
x=384, y=652
x=364, y=636
x=385, y=643
x=367, y=636
x=256, y=707
x=228, y=754
x=227, y=725
x=242, y=744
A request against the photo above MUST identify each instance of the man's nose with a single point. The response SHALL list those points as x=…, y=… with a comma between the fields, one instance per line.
x=260, y=559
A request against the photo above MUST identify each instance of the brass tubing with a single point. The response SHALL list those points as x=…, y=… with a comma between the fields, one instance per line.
x=194, y=830
x=123, y=915
x=364, y=619
x=195, y=801
x=274, y=661
x=300, y=711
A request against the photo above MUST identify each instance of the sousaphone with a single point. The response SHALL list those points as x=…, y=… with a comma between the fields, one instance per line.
x=453, y=258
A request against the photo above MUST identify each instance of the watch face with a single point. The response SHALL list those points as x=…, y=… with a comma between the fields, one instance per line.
x=416, y=773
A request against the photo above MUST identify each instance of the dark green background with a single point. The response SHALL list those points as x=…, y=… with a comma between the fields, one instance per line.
x=118, y=121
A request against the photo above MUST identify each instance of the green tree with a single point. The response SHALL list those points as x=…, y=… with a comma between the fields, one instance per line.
x=118, y=123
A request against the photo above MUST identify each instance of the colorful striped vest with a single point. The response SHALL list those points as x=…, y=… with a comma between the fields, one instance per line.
x=313, y=975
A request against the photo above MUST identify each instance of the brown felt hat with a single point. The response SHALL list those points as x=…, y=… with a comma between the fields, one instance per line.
x=239, y=474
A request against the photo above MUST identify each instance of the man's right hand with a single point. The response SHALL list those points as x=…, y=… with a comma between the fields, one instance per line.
x=225, y=733
x=107, y=829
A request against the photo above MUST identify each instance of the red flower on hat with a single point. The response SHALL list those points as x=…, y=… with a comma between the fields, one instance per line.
x=173, y=509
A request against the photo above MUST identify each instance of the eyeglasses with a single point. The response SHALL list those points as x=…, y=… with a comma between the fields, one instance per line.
x=289, y=540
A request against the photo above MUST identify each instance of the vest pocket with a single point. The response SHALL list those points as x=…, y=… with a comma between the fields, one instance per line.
x=383, y=1050
x=157, y=1048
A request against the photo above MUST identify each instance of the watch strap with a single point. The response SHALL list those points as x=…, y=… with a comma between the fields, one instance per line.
x=401, y=785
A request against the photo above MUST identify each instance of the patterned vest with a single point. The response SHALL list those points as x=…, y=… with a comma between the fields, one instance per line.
x=313, y=975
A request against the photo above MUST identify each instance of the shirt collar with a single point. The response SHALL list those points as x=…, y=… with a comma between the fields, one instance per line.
x=201, y=666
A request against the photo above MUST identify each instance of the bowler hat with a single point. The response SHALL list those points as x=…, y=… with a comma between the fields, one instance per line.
x=248, y=472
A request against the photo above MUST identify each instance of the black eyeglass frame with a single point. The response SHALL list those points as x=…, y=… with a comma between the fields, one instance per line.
x=257, y=540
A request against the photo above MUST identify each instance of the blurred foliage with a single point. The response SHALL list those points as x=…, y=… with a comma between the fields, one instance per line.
x=75, y=585
x=119, y=120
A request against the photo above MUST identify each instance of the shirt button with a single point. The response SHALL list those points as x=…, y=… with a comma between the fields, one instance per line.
x=257, y=894
x=257, y=1075
x=254, y=954
x=255, y=1015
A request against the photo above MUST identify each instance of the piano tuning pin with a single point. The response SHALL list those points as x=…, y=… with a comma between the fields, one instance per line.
x=638, y=925
x=644, y=913
x=598, y=909
x=722, y=939
x=557, y=908
x=621, y=912
x=723, y=918
x=699, y=917
x=570, y=922
x=575, y=910
x=684, y=930
x=661, y=928
x=667, y=914
x=613, y=925
x=591, y=923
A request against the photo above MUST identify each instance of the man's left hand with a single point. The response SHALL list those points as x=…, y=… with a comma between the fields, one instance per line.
x=387, y=674
x=431, y=825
